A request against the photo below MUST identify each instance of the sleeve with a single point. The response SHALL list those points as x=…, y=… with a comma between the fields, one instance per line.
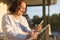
x=27, y=26
x=9, y=32
x=6, y=26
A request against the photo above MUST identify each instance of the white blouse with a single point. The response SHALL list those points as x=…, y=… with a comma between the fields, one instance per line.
x=13, y=29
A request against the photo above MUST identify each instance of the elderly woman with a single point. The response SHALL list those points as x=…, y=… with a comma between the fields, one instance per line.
x=14, y=24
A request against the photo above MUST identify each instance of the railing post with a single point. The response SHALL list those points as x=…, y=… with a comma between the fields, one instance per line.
x=47, y=33
x=54, y=38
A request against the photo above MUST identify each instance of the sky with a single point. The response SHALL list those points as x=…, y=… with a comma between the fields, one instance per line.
x=37, y=10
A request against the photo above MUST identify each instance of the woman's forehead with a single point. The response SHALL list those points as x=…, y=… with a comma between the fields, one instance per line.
x=23, y=3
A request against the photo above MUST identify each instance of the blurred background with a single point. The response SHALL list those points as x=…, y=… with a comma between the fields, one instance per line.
x=36, y=13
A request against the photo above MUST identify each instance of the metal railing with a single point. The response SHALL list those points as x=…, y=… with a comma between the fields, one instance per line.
x=43, y=34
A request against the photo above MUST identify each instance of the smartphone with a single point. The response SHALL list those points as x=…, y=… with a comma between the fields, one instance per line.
x=39, y=24
x=42, y=22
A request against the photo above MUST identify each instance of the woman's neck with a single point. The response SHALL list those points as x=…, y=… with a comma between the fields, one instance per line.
x=18, y=17
x=17, y=14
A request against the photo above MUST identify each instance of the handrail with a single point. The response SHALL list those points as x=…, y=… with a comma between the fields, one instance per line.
x=43, y=34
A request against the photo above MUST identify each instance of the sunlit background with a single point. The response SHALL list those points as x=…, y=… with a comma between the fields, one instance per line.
x=37, y=10
x=3, y=10
x=33, y=10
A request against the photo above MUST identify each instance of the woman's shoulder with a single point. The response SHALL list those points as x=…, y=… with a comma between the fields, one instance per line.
x=24, y=17
x=6, y=15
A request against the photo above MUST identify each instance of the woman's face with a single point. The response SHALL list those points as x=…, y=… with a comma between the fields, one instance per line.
x=22, y=8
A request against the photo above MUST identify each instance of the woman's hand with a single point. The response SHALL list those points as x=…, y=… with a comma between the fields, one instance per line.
x=38, y=28
x=34, y=35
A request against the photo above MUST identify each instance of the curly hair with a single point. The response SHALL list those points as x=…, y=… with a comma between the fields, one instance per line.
x=15, y=5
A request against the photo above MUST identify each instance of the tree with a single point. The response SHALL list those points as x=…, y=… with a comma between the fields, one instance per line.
x=36, y=20
x=54, y=21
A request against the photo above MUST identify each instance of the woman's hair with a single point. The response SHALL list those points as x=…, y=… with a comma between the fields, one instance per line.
x=15, y=5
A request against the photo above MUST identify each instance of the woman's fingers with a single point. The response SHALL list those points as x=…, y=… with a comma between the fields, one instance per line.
x=34, y=35
x=39, y=27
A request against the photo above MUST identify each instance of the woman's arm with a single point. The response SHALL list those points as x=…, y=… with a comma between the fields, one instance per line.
x=6, y=26
x=8, y=30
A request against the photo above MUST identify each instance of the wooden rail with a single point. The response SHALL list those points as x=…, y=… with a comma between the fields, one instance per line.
x=43, y=34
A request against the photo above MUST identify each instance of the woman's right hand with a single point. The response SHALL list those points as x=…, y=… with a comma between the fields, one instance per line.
x=34, y=35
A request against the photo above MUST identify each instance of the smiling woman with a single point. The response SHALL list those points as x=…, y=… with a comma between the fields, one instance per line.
x=15, y=25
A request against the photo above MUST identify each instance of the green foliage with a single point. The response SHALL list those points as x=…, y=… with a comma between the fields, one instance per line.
x=54, y=21
x=36, y=20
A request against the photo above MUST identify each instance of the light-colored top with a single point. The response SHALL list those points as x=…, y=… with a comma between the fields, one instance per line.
x=13, y=29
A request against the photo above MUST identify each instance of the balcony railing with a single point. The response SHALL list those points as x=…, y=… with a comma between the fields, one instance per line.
x=43, y=34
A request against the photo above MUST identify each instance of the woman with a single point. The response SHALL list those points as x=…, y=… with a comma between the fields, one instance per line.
x=14, y=25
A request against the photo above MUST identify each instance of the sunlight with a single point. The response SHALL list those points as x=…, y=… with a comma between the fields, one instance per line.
x=3, y=10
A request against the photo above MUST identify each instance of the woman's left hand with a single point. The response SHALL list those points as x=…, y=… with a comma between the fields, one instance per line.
x=39, y=27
